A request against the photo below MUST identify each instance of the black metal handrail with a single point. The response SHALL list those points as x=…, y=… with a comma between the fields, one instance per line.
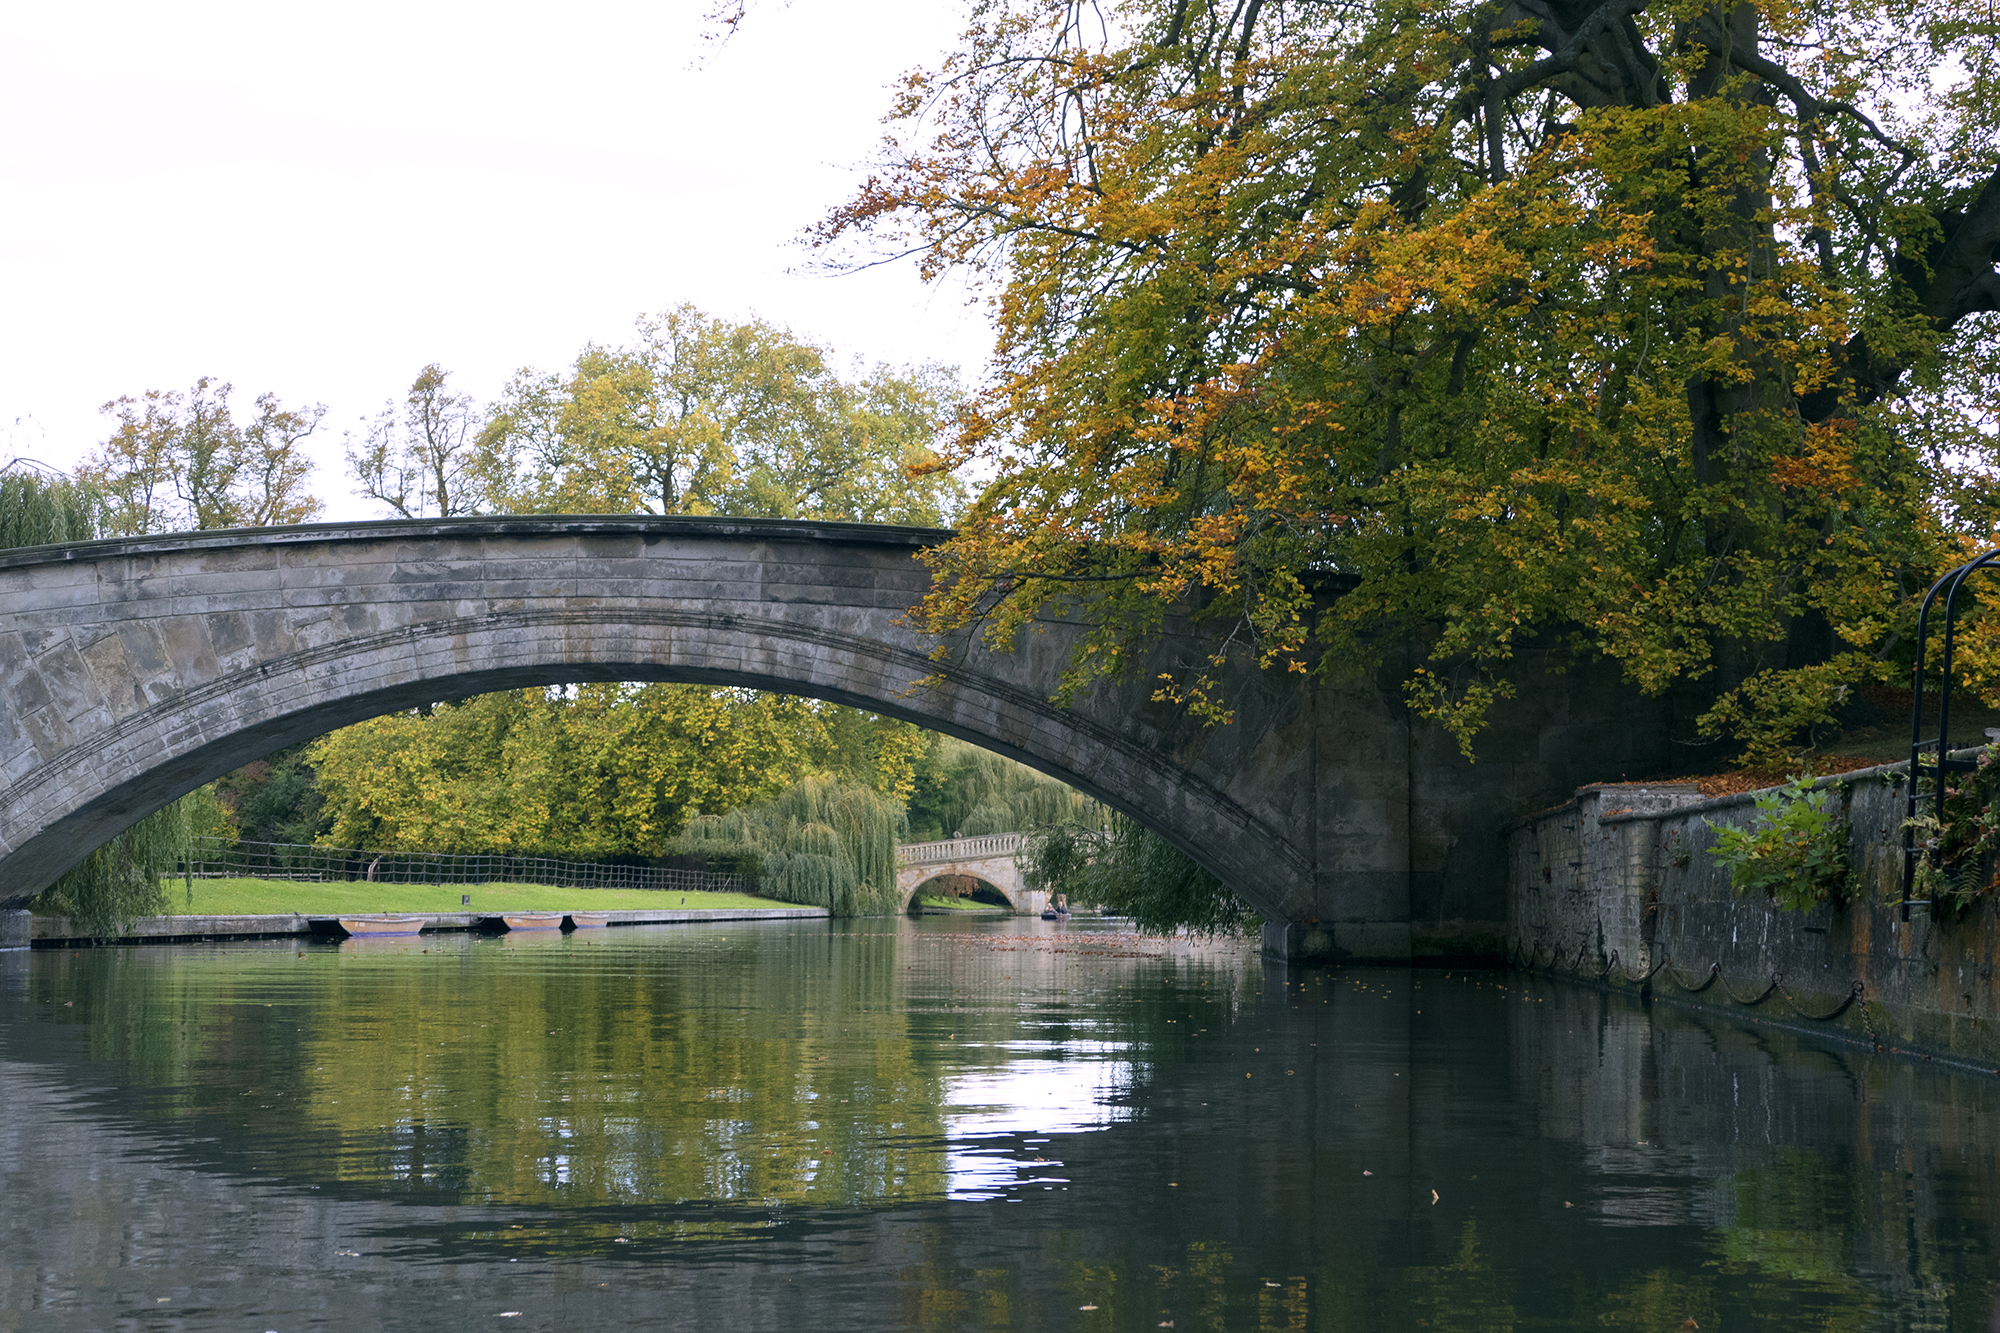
x=1949, y=584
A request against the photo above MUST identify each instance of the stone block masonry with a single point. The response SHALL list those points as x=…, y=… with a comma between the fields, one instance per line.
x=1617, y=887
x=135, y=669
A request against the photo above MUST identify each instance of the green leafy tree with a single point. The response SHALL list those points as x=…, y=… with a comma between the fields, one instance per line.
x=275, y=799
x=1655, y=332
x=960, y=790
x=1132, y=872
x=701, y=416
x=180, y=462
x=589, y=770
x=39, y=506
x=418, y=458
x=821, y=842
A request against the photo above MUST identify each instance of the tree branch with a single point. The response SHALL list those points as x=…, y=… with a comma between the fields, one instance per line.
x=1955, y=279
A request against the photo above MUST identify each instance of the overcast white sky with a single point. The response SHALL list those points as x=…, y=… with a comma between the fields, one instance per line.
x=319, y=200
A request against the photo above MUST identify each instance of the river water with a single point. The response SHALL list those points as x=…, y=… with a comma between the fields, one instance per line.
x=944, y=1125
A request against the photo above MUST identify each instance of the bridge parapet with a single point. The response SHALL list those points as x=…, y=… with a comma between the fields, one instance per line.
x=958, y=849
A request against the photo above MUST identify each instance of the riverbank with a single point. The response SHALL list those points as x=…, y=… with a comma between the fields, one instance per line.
x=54, y=932
x=237, y=897
x=1616, y=887
x=931, y=904
x=257, y=909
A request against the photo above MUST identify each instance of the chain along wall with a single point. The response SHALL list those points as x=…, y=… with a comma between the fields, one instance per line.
x=1617, y=886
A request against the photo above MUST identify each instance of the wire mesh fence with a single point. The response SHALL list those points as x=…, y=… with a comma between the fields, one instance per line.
x=219, y=858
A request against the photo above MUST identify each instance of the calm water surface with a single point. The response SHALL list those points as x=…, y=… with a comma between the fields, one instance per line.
x=941, y=1125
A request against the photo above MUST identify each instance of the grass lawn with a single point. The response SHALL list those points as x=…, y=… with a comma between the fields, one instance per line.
x=247, y=897
x=960, y=904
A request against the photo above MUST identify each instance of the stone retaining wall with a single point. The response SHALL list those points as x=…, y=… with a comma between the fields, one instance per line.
x=1617, y=886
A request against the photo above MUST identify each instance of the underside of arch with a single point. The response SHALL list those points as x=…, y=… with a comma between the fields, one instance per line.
x=999, y=896
x=133, y=670
x=109, y=779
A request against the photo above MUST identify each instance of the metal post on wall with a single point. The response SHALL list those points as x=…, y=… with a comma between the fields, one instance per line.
x=1944, y=763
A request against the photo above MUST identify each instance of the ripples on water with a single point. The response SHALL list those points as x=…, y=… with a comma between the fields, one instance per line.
x=936, y=1125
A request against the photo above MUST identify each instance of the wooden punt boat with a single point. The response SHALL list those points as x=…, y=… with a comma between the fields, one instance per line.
x=584, y=920
x=377, y=924
x=533, y=920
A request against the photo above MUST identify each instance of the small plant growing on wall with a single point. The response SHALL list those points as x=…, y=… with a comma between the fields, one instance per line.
x=1794, y=851
x=1956, y=841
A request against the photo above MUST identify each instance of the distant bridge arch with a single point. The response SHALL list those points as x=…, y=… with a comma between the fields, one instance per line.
x=988, y=858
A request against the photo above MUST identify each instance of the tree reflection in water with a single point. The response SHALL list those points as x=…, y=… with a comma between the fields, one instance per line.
x=905, y=1125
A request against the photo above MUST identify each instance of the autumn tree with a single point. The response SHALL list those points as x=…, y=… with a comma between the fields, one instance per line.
x=702, y=416
x=417, y=457
x=180, y=462
x=1650, y=329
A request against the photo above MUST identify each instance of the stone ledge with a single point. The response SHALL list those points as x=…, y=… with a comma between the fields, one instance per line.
x=864, y=534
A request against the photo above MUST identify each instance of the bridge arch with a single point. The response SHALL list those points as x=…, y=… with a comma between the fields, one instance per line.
x=988, y=858
x=996, y=894
x=134, y=670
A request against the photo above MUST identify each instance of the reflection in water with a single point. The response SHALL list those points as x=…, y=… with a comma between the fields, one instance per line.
x=791, y=1125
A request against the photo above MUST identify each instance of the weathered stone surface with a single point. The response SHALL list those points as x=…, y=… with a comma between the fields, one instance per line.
x=1617, y=886
x=135, y=670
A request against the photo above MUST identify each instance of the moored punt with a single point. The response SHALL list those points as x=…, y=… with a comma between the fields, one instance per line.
x=533, y=920
x=383, y=923
x=582, y=920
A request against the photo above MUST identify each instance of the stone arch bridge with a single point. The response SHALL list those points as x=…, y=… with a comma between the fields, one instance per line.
x=986, y=857
x=133, y=670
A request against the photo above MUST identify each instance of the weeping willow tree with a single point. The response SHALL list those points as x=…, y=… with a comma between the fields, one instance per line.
x=39, y=507
x=1128, y=870
x=126, y=877
x=966, y=791
x=821, y=843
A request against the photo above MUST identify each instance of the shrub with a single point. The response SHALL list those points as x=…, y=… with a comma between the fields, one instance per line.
x=1955, y=841
x=1794, y=852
